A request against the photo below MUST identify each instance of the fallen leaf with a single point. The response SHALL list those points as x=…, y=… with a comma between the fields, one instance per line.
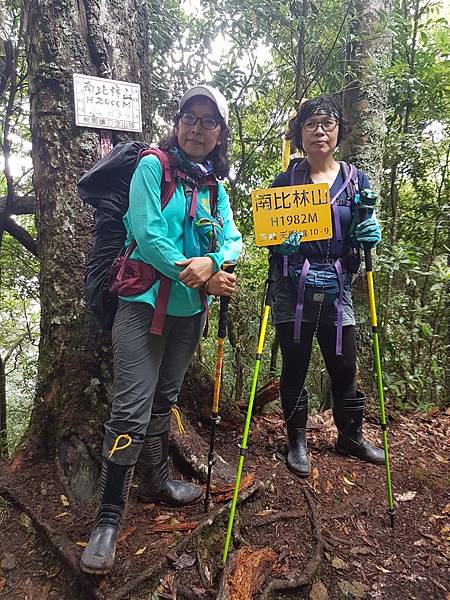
x=82, y=544
x=63, y=514
x=64, y=500
x=347, y=481
x=225, y=492
x=125, y=534
x=185, y=560
x=318, y=591
x=405, y=497
x=8, y=562
x=328, y=486
x=26, y=522
x=338, y=563
x=352, y=588
x=140, y=551
x=163, y=527
x=315, y=473
x=162, y=518
x=208, y=574
x=382, y=569
x=265, y=513
x=361, y=550
x=440, y=458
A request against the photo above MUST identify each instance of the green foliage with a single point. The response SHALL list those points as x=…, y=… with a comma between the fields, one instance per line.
x=249, y=50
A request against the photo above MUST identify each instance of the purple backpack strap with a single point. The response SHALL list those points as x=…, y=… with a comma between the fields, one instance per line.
x=300, y=300
x=340, y=306
x=334, y=206
x=301, y=169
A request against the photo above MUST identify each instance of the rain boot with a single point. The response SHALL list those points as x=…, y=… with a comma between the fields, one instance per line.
x=115, y=482
x=296, y=414
x=348, y=417
x=153, y=469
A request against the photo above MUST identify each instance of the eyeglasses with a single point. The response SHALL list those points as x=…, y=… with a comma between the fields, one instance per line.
x=312, y=124
x=189, y=118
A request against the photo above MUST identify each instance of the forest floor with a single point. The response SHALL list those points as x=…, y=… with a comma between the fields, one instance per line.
x=329, y=536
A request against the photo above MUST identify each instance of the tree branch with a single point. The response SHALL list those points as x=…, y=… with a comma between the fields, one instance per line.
x=23, y=205
x=20, y=234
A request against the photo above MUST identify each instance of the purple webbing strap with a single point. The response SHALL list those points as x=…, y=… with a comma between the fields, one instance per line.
x=293, y=174
x=300, y=299
x=291, y=182
x=340, y=307
x=335, y=208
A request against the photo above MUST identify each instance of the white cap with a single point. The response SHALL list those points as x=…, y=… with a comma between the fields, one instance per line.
x=206, y=90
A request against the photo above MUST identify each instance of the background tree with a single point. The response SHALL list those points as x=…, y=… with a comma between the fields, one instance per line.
x=73, y=372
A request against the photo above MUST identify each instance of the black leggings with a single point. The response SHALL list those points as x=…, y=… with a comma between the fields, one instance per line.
x=342, y=369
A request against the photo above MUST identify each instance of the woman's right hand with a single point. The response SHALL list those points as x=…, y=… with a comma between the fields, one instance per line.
x=221, y=284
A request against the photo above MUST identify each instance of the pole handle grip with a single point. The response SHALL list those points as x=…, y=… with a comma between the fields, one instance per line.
x=224, y=302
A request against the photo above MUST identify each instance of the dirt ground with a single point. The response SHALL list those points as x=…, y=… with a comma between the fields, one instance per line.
x=330, y=533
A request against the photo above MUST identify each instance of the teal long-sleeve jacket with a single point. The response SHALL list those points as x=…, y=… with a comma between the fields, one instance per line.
x=159, y=235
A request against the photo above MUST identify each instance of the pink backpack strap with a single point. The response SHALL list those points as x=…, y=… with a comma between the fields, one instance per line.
x=168, y=185
x=162, y=299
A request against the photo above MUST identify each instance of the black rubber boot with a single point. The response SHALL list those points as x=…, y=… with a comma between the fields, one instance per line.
x=153, y=469
x=115, y=483
x=348, y=417
x=296, y=415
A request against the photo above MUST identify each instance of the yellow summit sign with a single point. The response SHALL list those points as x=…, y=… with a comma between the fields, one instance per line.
x=277, y=212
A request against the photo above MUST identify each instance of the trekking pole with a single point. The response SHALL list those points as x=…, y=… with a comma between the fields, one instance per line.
x=366, y=203
x=243, y=446
x=215, y=418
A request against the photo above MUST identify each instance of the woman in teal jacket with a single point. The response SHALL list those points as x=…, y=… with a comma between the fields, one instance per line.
x=187, y=242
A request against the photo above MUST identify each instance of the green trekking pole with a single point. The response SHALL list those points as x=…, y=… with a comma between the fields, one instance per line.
x=365, y=207
x=215, y=418
x=243, y=446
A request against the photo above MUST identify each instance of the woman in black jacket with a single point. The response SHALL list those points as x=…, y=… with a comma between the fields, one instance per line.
x=301, y=311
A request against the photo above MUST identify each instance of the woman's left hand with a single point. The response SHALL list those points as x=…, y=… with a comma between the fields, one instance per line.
x=368, y=232
x=196, y=271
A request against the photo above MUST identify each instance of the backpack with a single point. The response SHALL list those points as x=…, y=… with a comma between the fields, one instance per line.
x=322, y=281
x=106, y=187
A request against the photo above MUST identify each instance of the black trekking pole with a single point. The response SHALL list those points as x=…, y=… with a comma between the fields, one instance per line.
x=365, y=207
x=215, y=418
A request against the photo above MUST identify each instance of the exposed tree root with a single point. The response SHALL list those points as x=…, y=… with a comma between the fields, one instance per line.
x=310, y=570
x=155, y=572
x=190, y=452
x=247, y=572
x=58, y=542
x=278, y=516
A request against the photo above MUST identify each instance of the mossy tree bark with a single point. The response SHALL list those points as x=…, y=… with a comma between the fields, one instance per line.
x=364, y=102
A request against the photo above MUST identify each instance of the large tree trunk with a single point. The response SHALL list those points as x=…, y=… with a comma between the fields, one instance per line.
x=364, y=103
x=365, y=94
x=101, y=39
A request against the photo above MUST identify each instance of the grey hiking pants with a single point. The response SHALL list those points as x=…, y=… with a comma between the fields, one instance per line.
x=148, y=369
